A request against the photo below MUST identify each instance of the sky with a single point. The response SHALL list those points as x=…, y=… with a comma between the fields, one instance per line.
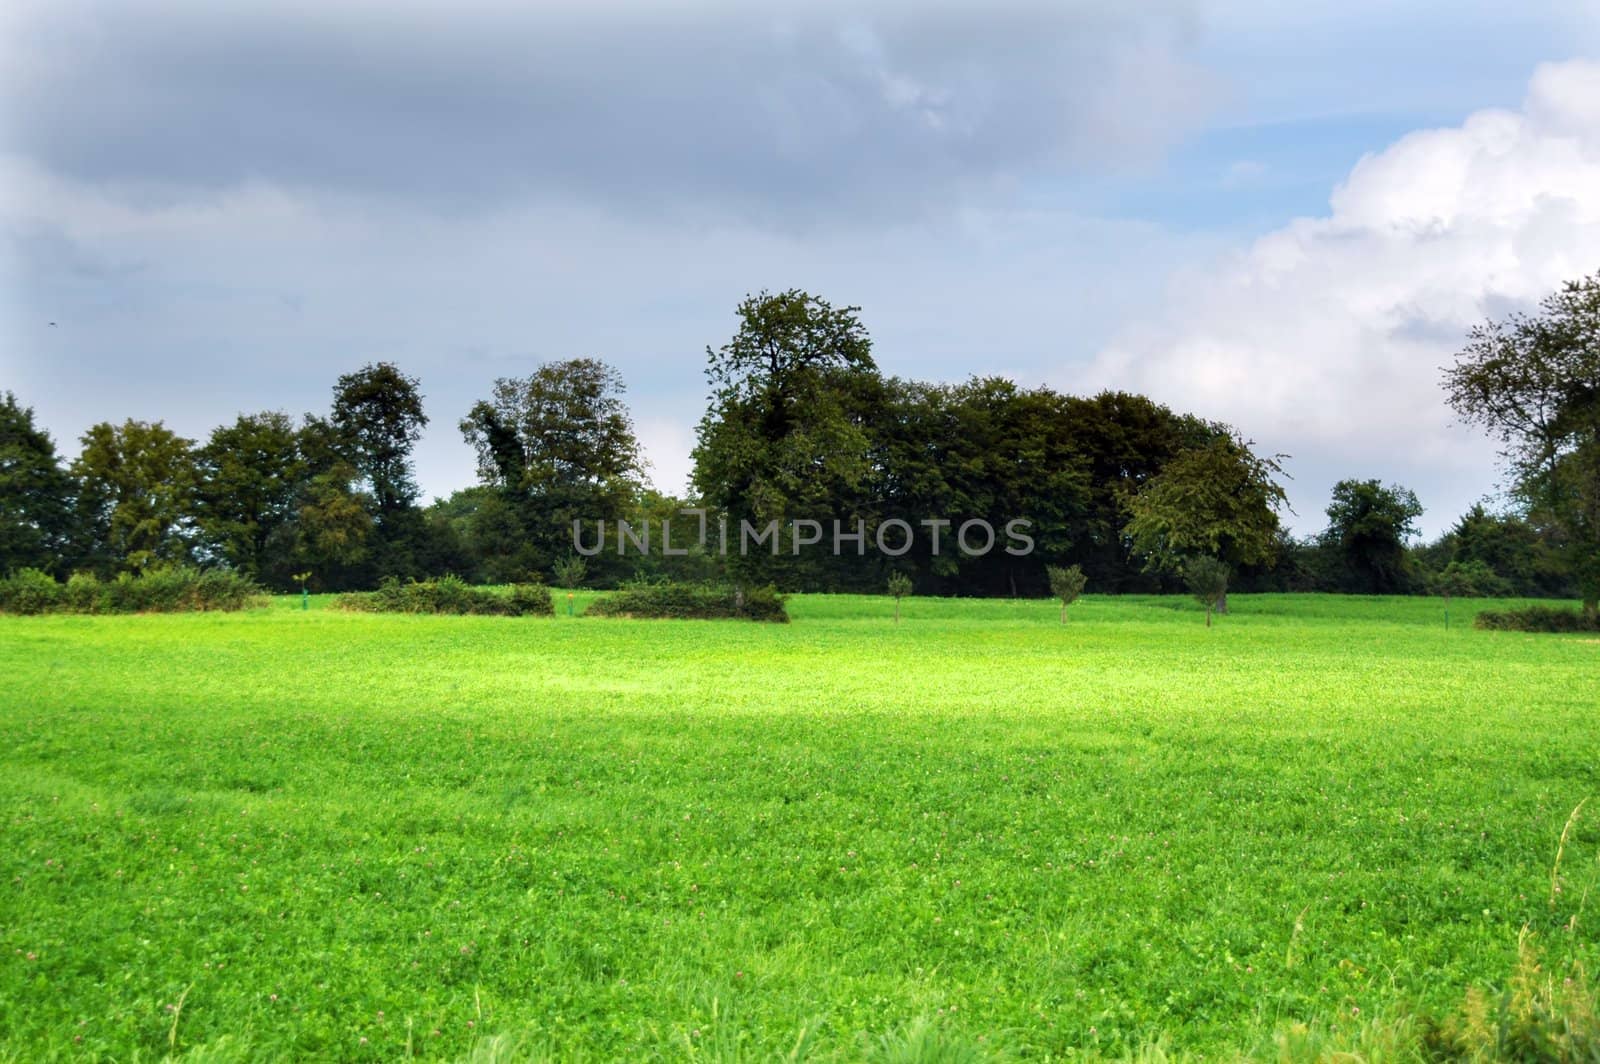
x=1281, y=216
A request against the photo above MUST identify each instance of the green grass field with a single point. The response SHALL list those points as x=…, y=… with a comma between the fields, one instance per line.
x=321, y=835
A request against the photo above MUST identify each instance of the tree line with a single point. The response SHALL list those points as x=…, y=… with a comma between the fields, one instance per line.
x=801, y=425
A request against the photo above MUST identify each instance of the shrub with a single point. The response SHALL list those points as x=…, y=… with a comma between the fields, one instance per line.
x=29, y=591
x=899, y=587
x=1066, y=585
x=83, y=594
x=448, y=595
x=1537, y=619
x=1208, y=582
x=691, y=602
x=167, y=589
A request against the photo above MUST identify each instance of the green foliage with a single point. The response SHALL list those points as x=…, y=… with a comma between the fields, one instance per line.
x=1066, y=584
x=1471, y=579
x=160, y=589
x=680, y=601
x=449, y=595
x=570, y=571
x=1531, y=380
x=556, y=447
x=35, y=493
x=1207, y=580
x=1368, y=526
x=1219, y=500
x=1537, y=619
x=136, y=495
x=29, y=591
x=899, y=587
x=377, y=413
x=249, y=476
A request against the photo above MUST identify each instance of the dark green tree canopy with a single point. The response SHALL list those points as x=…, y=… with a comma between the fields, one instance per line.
x=249, y=475
x=136, y=494
x=1219, y=500
x=377, y=411
x=1533, y=381
x=781, y=338
x=1368, y=526
x=35, y=493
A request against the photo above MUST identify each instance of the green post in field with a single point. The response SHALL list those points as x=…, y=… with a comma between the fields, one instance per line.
x=305, y=594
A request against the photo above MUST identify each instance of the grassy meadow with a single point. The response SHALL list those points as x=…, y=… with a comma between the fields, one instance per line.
x=317, y=835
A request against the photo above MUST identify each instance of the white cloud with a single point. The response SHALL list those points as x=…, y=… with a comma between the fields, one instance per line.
x=1326, y=337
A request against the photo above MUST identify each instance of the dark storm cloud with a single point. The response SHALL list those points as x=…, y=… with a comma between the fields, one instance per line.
x=782, y=113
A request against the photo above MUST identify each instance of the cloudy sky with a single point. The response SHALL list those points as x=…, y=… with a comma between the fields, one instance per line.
x=1280, y=215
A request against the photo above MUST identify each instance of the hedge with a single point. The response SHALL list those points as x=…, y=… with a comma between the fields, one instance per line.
x=169, y=589
x=1537, y=619
x=691, y=602
x=449, y=594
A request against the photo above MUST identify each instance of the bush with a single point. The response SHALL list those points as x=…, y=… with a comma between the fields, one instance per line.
x=691, y=602
x=1537, y=619
x=168, y=589
x=449, y=595
x=29, y=591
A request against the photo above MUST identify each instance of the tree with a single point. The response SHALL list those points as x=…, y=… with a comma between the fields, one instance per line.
x=559, y=447
x=36, y=494
x=899, y=588
x=1207, y=579
x=1533, y=381
x=249, y=476
x=1123, y=442
x=136, y=496
x=377, y=411
x=1368, y=525
x=569, y=573
x=1462, y=579
x=788, y=432
x=1219, y=500
x=1066, y=584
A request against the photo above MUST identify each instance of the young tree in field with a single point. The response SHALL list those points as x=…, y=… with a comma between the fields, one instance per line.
x=899, y=587
x=249, y=475
x=377, y=410
x=1207, y=579
x=136, y=494
x=569, y=573
x=1533, y=381
x=558, y=447
x=1066, y=584
x=1368, y=525
x=1219, y=500
x=1453, y=580
x=35, y=493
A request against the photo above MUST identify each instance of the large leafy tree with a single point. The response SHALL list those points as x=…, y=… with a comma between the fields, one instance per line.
x=558, y=446
x=136, y=494
x=250, y=474
x=1533, y=381
x=788, y=432
x=1368, y=526
x=35, y=493
x=1124, y=441
x=1220, y=501
x=378, y=412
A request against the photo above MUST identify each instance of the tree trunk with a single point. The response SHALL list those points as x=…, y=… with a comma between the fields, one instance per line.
x=1208, y=616
x=1222, y=603
x=1063, y=613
